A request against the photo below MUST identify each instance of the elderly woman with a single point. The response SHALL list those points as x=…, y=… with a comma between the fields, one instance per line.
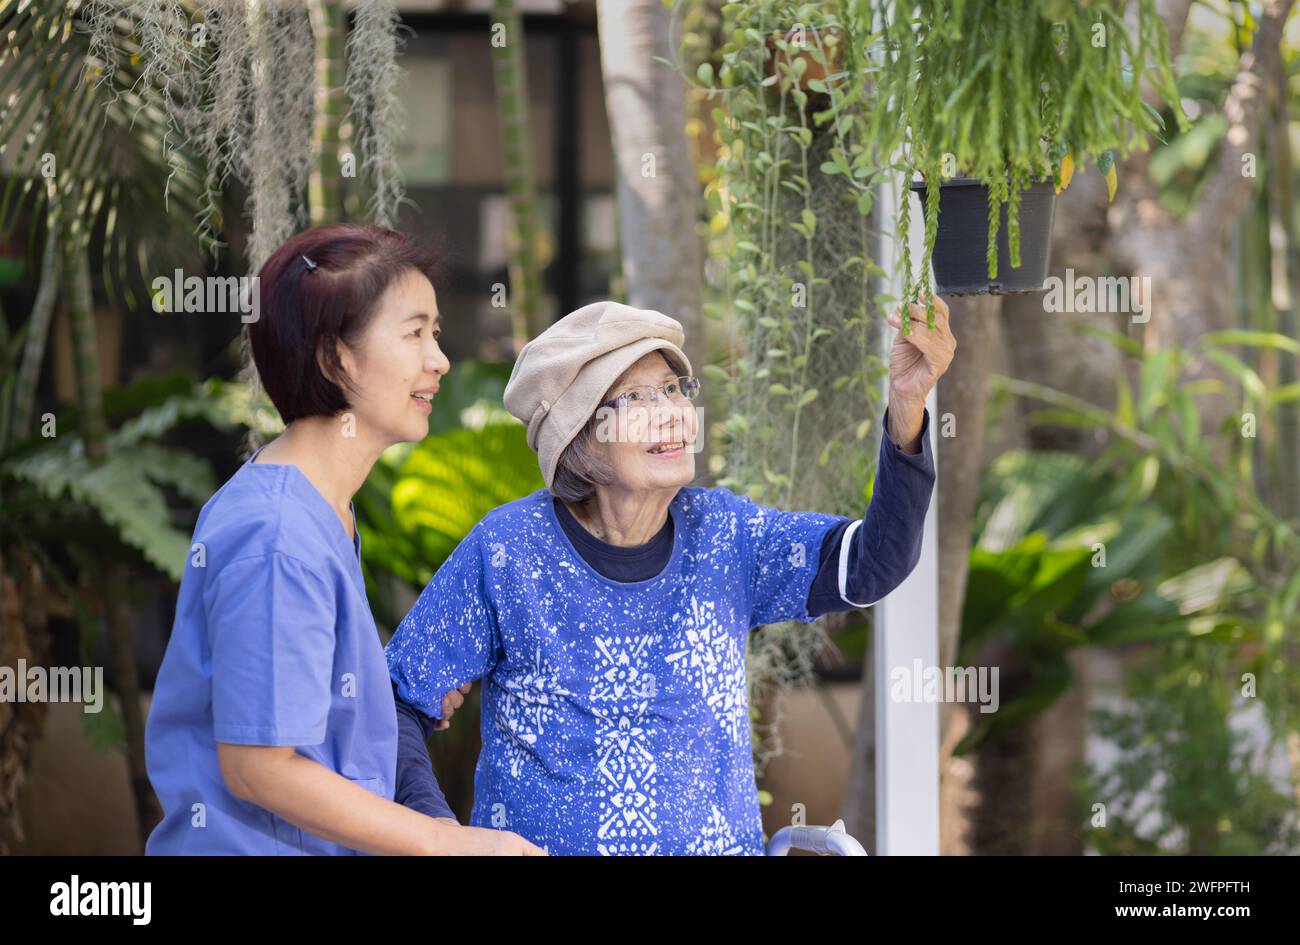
x=608, y=613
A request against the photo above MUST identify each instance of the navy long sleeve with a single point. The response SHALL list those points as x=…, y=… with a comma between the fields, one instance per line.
x=862, y=561
x=882, y=549
x=417, y=788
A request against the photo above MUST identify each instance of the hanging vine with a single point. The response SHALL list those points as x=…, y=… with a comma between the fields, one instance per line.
x=237, y=81
x=1011, y=92
x=793, y=269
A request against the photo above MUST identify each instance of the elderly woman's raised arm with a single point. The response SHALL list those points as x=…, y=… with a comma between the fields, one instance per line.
x=864, y=559
x=806, y=564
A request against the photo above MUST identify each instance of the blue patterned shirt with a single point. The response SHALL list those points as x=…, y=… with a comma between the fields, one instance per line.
x=615, y=714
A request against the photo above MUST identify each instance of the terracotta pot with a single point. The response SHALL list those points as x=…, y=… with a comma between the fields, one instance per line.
x=832, y=41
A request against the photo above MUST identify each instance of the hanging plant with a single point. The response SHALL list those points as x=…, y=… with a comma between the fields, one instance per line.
x=1012, y=94
x=792, y=253
x=980, y=247
x=795, y=282
x=237, y=83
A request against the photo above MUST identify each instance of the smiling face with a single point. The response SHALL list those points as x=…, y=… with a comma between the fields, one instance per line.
x=395, y=367
x=649, y=445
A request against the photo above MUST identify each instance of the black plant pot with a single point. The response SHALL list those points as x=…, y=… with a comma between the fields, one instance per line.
x=960, y=248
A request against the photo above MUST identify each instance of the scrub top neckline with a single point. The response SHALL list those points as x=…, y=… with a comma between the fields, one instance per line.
x=568, y=545
x=355, y=541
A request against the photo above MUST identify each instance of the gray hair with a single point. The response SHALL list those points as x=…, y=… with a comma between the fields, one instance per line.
x=580, y=469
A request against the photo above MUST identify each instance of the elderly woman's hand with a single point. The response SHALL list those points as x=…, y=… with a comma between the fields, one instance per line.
x=916, y=362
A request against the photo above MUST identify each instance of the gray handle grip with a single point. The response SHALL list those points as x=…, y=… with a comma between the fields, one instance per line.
x=820, y=840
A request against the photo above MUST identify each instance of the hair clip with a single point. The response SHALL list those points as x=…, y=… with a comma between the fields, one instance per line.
x=310, y=265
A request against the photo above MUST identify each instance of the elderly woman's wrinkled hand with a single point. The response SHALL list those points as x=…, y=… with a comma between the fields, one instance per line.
x=919, y=358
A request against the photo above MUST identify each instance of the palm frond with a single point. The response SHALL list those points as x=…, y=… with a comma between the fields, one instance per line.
x=104, y=134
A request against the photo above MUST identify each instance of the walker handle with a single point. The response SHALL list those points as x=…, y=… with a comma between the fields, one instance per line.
x=820, y=840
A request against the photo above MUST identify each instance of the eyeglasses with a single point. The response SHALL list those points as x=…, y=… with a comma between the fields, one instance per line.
x=679, y=389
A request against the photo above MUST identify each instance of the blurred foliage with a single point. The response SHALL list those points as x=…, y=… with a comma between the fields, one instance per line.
x=437, y=491
x=1061, y=560
x=1186, y=780
x=137, y=508
x=1199, y=573
x=797, y=273
x=101, y=142
x=141, y=492
x=422, y=498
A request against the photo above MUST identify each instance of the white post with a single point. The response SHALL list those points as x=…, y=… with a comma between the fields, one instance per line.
x=907, y=637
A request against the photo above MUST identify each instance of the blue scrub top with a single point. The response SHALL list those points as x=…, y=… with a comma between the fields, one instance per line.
x=273, y=644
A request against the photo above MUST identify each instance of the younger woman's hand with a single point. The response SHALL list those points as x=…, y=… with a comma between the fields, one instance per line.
x=505, y=843
x=450, y=703
x=483, y=841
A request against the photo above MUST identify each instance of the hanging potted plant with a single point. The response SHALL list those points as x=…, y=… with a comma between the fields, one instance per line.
x=961, y=257
x=993, y=104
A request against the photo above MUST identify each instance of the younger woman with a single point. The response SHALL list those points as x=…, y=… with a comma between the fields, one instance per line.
x=273, y=728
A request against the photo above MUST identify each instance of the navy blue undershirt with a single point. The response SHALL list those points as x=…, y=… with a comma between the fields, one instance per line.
x=636, y=563
x=886, y=546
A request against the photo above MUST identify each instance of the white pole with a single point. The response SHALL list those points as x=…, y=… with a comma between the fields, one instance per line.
x=907, y=638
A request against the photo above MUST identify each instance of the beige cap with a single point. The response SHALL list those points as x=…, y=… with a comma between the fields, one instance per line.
x=562, y=375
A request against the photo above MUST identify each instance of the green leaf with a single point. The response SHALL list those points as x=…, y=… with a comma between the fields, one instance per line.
x=122, y=491
x=1254, y=339
x=1155, y=371
x=1124, y=403
x=440, y=490
x=1288, y=393
x=1250, y=382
